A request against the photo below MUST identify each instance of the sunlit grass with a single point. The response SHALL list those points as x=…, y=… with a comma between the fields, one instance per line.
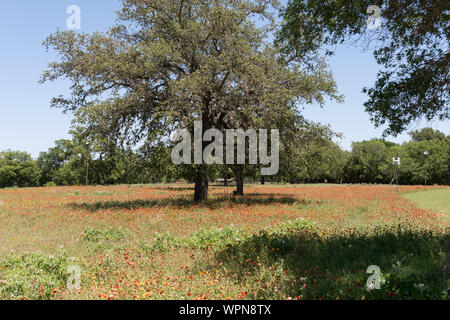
x=436, y=200
x=276, y=242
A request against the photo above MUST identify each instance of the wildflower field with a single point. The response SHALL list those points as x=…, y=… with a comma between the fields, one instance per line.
x=276, y=242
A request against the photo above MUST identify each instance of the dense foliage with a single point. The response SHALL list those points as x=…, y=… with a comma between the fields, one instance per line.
x=410, y=43
x=312, y=156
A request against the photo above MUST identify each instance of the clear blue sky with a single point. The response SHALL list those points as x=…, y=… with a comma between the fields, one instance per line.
x=27, y=123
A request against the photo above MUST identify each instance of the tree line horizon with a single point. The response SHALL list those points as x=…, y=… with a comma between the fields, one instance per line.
x=425, y=160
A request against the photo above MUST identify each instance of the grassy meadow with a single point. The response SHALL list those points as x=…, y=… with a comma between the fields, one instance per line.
x=436, y=200
x=276, y=242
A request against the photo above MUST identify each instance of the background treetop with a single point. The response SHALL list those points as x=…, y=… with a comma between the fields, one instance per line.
x=412, y=46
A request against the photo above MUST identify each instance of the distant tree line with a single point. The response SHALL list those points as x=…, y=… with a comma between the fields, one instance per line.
x=425, y=159
x=307, y=155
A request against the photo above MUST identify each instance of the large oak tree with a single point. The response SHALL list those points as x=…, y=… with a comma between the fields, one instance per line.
x=168, y=63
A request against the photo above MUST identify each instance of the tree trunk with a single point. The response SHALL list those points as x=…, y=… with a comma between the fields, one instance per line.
x=263, y=180
x=201, y=178
x=239, y=183
x=201, y=188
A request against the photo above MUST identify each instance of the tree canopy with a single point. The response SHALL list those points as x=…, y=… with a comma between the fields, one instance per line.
x=168, y=63
x=411, y=44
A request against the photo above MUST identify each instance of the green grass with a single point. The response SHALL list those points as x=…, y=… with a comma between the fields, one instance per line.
x=436, y=200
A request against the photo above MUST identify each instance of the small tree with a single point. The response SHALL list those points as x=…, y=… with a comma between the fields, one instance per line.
x=18, y=169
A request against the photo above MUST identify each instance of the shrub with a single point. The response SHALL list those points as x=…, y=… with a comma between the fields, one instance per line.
x=215, y=238
x=99, y=236
x=164, y=242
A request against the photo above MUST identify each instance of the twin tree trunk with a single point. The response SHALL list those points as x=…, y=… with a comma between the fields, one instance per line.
x=202, y=183
x=202, y=179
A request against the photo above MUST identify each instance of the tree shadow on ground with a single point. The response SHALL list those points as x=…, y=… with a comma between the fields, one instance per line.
x=187, y=202
x=306, y=264
x=175, y=188
x=210, y=186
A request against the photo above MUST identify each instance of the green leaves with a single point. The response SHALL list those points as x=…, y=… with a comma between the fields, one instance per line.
x=18, y=169
x=411, y=46
x=168, y=63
